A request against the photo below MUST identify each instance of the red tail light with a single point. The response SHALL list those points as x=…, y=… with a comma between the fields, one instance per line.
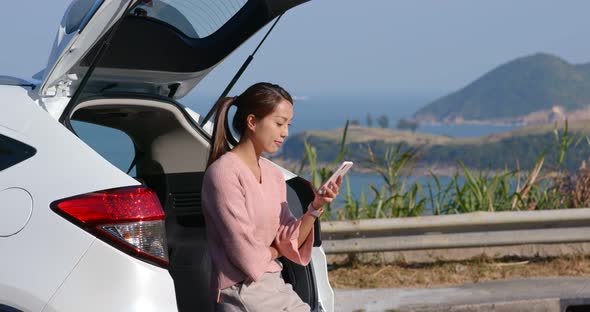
x=129, y=218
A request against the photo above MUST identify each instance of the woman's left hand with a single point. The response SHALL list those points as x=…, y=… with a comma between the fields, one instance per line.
x=330, y=193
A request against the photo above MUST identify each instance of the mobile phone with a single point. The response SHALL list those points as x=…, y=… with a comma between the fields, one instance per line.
x=341, y=171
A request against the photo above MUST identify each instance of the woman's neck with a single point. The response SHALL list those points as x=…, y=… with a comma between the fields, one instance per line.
x=247, y=151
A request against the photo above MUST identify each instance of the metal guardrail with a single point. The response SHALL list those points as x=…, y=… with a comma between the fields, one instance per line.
x=479, y=229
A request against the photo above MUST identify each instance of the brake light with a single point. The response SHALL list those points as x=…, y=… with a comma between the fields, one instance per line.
x=129, y=218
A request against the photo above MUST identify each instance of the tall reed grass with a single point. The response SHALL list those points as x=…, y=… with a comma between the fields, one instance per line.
x=541, y=187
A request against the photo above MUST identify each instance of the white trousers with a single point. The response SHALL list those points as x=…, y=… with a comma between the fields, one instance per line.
x=270, y=293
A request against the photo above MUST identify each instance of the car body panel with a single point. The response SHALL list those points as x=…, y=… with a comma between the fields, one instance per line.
x=320, y=269
x=107, y=280
x=45, y=251
x=15, y=81
x=15, y=219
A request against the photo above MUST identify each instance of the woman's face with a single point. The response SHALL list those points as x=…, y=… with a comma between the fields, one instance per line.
x=270, y=132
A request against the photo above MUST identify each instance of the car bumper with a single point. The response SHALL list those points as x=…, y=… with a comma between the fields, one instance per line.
x=106, y=279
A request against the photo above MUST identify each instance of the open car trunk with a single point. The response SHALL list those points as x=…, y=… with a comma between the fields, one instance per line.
x=157, y=47
x=170, y=158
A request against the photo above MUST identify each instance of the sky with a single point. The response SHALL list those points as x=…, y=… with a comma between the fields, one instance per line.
x=346, y=47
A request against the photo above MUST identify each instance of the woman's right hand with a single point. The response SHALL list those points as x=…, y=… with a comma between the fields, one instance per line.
x=330, y=193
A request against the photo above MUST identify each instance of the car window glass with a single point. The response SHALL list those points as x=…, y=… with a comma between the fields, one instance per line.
x=194, y=18
x=13, y=152
x=112, y=144
x=79, y=12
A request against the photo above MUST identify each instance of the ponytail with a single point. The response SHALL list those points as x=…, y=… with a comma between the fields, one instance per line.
x=219, y=141
x=260, y=100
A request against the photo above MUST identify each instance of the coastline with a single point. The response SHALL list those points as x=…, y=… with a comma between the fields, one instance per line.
x=492, y=123
x=418, y=171
x=556, y=113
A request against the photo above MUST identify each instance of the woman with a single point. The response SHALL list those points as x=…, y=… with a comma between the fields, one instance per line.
x=249, y=224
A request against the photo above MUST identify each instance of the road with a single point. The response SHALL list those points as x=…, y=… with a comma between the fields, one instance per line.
x=569, y=294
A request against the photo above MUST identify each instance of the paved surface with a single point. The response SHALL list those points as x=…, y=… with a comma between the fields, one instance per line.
x=542, y=294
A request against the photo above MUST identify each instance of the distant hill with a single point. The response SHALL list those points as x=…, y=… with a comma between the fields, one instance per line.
x=532, y=89
x=498, y=151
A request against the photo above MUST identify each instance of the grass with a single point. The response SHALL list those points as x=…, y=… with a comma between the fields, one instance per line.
x=545, y=186
x=401, y=275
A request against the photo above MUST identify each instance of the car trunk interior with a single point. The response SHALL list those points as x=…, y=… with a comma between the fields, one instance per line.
x=170, y=158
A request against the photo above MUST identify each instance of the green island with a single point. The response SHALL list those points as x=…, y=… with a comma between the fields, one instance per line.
x=531, y=89
x=517, y=148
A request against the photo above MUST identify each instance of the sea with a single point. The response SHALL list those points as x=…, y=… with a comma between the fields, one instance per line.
x=319, y=112
x=323, y=112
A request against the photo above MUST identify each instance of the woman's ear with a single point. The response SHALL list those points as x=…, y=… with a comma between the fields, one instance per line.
x=251, y=122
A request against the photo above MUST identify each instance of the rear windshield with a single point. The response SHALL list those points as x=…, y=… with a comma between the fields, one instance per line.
x=79, y=13
x=194, y=18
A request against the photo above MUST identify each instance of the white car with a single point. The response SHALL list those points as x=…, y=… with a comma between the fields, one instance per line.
x=81, y=232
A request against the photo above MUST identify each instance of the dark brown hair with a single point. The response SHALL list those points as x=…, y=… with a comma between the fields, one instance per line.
x=260, y=100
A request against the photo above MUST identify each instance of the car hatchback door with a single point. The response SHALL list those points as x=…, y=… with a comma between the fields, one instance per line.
x=156, y=47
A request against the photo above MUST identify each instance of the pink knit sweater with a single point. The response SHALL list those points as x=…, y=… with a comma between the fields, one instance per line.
x=244, y=217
